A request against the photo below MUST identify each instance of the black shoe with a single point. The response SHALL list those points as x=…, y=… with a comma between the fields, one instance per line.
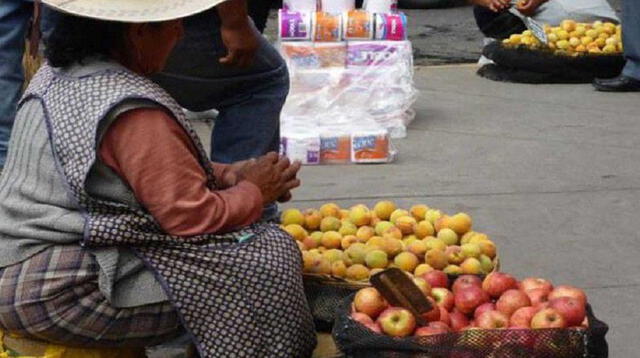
x=621, y=83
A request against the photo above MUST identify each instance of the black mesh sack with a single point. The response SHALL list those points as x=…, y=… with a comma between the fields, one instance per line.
x=325, y=295
x=523, y=65
x=357, y=341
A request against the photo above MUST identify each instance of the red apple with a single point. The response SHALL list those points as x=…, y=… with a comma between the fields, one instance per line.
x=496, y=283
x=458, y=320
x=568, y=291
x=397, y=322
x=361, y=318
x=465, y=281
x=492, y=320
x=548, y=318
x=489, y=306
x=432, y=329
x=444, y=316
x=434, y=314
x=511, y=300
x=374, y=327
x=537, y=295
x=469, y=298
x=521, y=318
x=436, y=278
x=571, y=309
x=542, y=305
x=443, y=297
x=370, y=302
x=531, y=283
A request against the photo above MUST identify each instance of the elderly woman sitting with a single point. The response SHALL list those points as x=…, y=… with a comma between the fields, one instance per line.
x=115, y=229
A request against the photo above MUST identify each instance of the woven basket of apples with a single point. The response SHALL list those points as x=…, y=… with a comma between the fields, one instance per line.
x=342, y=248
x=576, y=52
x=473, y=318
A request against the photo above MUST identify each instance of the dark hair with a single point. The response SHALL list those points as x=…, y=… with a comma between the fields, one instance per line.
x=76, y=38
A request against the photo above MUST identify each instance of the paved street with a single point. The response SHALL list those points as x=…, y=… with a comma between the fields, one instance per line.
x=552, y=173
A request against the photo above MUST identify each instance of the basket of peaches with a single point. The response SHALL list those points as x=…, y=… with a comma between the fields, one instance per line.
x=342, y=247
x=474, y=318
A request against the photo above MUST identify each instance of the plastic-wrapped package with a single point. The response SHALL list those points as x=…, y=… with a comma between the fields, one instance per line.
x=391, y=27
x=327, y=27
x=351, y=96
x=358, y=25
x=376, y=84
x=294, y=25
x=370, y=145
x=335, y=144
x=300, y=143
x=309, y=55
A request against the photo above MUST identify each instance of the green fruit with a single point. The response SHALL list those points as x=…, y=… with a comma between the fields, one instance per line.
x=377, y=259
x=330, y=223
x=448, y=236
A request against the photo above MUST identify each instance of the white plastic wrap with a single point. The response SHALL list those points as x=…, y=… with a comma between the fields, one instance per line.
x=361, y=80
x=347, y=98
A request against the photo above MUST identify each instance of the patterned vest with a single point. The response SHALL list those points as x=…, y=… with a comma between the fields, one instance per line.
x=238, y=299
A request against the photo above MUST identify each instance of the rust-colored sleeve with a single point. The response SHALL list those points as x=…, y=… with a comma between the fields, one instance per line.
x=151, y=152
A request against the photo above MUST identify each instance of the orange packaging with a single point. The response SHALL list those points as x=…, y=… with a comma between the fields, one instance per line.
x=358, y=25
x=370, y=147
x=335, y=148
x=327, y=27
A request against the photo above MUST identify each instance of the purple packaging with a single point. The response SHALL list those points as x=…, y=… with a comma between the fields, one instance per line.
x=294, y=25
x=376, y=53
x=391, y=27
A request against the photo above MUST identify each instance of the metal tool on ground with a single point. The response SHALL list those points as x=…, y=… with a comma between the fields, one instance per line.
x=536, y=28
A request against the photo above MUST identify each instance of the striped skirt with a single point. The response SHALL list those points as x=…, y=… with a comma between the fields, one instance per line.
x=54, y=296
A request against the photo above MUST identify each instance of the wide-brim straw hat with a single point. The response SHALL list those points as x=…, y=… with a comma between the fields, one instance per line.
x=132, y=10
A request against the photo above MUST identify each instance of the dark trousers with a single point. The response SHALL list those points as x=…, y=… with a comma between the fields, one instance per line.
x=631, y=37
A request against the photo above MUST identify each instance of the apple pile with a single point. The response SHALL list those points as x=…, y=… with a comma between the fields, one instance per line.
x=356, y=243
x=573, y=38
x=497, y=302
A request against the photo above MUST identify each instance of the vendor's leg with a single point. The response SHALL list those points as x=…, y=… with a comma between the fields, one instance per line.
x=14, y=18
x=497, y=25
x=629, y=79
x=631, y=38
x=54, y=297
x=259, y=12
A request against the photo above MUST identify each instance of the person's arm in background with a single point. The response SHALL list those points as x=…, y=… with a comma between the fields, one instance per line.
x=493, y=5
x=529, y=7
x=239, y=35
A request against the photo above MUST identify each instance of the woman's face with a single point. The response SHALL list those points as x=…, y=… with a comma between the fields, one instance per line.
x=150, y=44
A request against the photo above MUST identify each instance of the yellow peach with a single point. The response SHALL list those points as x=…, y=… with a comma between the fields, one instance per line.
x=331, y=240
x=330, y=209
x=292, y=216
x=383, y=209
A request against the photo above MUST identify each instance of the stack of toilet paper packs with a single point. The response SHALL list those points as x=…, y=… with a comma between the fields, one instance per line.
x=351, y=80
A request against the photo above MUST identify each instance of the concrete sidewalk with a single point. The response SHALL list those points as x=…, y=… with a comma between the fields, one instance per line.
x=552, y=173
